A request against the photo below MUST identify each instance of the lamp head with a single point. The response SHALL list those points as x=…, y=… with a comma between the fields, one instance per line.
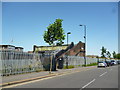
x=81, y=25
x=69, y=33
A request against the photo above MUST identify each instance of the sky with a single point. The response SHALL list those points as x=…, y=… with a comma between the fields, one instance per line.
x=24, y=23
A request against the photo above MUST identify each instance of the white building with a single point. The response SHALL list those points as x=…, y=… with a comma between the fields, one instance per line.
x=10, y=47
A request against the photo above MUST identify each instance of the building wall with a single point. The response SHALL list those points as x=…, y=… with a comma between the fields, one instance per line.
x=71, y=50
x=77, y=50
x=10, y=47
x=46, y=48
x=7, y=47
x=20, y=50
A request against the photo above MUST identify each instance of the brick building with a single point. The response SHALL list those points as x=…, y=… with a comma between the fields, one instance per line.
x=70, y=50
x=76, y=50
x=48, y=48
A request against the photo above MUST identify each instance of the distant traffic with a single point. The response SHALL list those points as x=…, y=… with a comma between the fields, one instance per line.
x=108, y=63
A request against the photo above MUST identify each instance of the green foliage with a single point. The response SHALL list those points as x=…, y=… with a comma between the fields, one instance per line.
x=30, y=67
x=72, y=66
x=54, y=33
x=38, y=70
x=103, y=52
x=118, y=56
x=79, y=65
x=69, y=67
x=91, y=64
x=114, y=54
x=108, y=54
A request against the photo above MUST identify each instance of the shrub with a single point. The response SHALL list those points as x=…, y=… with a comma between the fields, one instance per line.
x=91, y=64
x=70, y=66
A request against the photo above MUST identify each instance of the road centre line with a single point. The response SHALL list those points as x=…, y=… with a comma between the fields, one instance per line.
x=103, y=74
x=93, y=80
x=88, y=84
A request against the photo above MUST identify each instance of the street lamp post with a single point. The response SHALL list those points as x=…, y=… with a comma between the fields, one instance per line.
x=67, y=37
x=67, y=45
x=85, y=43
x=51, y=59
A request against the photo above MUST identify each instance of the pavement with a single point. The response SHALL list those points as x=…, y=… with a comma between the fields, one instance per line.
x=14, y=79
x=81, y=78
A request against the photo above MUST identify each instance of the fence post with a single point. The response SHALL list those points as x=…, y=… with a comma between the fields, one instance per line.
x=67, y=62
x=97, y=59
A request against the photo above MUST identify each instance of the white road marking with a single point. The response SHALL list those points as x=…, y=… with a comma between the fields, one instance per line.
x=88, y=84
x=19, y=84
x=103, y=74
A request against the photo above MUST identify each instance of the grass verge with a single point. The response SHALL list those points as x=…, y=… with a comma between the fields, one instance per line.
x=69, y=67
x=91, y=64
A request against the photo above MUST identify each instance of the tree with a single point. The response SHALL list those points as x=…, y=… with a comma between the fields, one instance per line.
x=108, y=54
x=103, y=52
x=114, y=54
x=54, y=33
x=118, y=56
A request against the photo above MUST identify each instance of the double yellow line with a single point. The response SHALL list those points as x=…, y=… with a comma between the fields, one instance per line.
x=46, y=76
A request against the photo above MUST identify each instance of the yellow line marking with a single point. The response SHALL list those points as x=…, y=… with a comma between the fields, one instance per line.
x=26, y=80
x=44, y=78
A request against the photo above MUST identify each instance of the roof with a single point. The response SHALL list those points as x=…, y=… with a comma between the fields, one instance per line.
x=50, y=46
x=6, y=45
x=55, y=45
x=10, y=46
x=18, y=47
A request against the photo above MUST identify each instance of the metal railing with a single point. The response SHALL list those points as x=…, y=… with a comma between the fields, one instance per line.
x=13, y=62
x=79, y=61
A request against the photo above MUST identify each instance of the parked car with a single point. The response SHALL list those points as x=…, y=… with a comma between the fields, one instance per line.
x=102, y=64
x=108, y=63
x=118, y=62
x=113, y=62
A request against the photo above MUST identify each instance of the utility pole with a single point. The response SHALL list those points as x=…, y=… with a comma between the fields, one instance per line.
x=67, y=45
x=51, y=57
x=67, y=37
x=85, y=44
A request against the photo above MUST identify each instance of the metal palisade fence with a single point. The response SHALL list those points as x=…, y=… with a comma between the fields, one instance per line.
x=79, y=61
x=14, y=62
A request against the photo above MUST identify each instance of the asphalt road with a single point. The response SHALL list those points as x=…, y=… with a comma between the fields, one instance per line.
x=93, y=78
